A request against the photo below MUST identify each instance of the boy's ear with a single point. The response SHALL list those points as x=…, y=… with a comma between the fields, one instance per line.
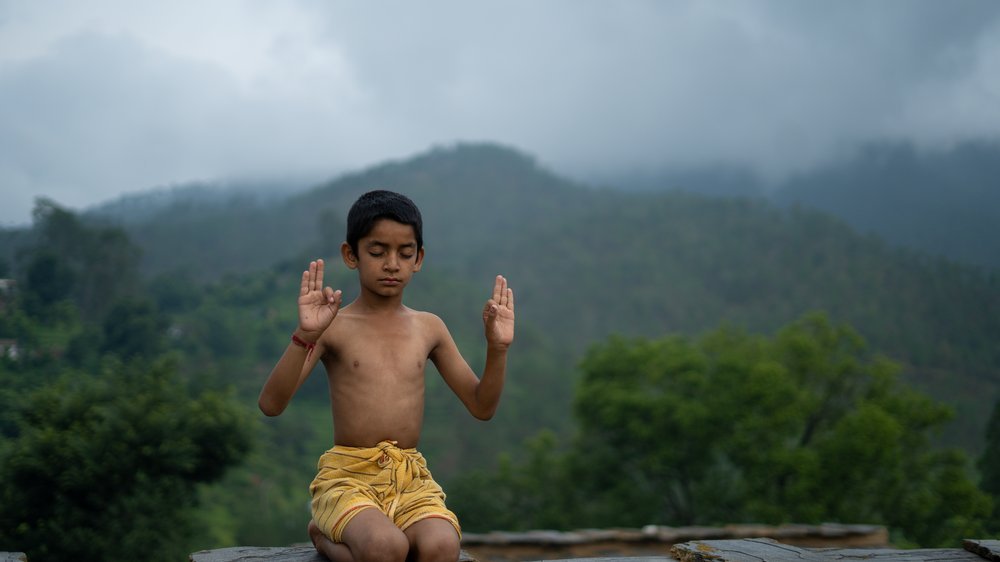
x=350, y=260
x=420, y=260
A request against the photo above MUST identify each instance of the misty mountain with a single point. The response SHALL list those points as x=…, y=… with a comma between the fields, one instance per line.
x=720, y=179
x=144, y=206
x=207, y=231
x=941, y=202
x=587, y=262
x=944, y=202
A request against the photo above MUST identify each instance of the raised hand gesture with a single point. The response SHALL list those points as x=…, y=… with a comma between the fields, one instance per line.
x=498, y=315
x=318, y=305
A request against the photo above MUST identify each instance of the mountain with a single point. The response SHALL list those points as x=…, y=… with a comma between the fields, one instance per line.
x=586, y=263
x=945, y=202
x=942, y=201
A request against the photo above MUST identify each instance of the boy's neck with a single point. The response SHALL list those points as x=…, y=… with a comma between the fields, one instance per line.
x=372, y=303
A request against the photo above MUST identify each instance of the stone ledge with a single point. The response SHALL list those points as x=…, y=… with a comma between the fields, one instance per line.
x=593, y=544
x=270, y=554
x=826, y=534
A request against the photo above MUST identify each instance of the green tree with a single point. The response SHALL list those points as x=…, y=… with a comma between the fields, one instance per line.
x=105, y=467
x=49, y=283
x=133, y=328
x=989, y=464
x=96, y=265
x=518, y=495
x=804, y=427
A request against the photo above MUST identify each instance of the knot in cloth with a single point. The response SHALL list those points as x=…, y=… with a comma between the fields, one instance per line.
x=402, y=470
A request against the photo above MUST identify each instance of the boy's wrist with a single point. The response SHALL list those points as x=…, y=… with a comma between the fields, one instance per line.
x=497, y=347
x=309, y=338
x=309, y=346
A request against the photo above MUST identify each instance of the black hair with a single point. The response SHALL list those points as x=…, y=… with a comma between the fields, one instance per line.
x=382, y=204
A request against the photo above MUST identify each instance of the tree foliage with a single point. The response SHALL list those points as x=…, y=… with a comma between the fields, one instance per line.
x=71, y=260
x=803, y=427
x=989, y=464
x=104, y=467
x=104, y=439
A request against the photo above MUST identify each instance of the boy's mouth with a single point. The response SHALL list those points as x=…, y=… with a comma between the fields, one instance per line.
x=389, y=281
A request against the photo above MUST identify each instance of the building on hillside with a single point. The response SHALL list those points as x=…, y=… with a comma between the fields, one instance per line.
x=8, y=348
x=6, y=292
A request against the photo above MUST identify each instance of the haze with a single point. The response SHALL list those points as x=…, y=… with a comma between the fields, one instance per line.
x=107, y=97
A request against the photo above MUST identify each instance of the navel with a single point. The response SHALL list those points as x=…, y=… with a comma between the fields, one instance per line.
x=357, y=363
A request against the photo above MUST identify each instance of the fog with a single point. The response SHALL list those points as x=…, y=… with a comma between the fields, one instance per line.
x=109, y=97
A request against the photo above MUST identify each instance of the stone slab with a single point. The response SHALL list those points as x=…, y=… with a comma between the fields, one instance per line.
x=270, y=554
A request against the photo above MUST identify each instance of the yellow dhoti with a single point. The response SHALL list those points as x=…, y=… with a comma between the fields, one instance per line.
x=395, y=481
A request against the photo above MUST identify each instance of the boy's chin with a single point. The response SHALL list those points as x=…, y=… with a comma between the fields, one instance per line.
x=388, y=290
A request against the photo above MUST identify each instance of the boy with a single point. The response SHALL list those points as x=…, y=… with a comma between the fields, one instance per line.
x=373, y=498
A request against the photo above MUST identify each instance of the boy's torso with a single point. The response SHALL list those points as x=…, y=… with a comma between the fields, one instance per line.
x=375, y=369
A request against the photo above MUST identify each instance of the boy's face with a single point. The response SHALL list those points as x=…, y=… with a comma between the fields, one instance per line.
x=387, y=257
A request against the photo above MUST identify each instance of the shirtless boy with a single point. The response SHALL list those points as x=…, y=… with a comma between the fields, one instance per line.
x=373, y=498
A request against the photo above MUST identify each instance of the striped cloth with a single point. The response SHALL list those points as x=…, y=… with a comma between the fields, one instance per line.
x=393, y=480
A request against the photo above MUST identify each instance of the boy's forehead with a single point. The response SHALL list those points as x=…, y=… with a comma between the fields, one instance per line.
x=386, y=229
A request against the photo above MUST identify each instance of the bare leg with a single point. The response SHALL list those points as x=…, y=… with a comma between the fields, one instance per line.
x=433, y=540
x=335, y=551
x=369, y=537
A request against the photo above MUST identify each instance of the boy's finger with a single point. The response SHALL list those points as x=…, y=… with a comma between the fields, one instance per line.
x=304, y=288
x=510, y=299
x=319, y=275
x=312, y=275
x=496, y=288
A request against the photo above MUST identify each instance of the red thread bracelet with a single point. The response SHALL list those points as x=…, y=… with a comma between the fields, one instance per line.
x=303, y=343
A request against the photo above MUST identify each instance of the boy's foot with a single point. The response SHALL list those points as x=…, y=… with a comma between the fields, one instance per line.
x=315, y=534
x=325, y=546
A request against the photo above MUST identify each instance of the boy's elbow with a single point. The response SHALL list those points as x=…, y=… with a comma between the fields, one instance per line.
x=269, y=407
x=484, y=414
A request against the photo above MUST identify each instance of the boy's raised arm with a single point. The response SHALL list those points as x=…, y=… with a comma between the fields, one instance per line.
x=481, y=396
x=318, y=307
x=498, y=323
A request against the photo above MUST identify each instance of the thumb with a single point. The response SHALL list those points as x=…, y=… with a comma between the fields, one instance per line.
x=490, y=310
x=333, y=298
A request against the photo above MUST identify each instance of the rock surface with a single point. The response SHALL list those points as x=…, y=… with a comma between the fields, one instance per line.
x=270, y=554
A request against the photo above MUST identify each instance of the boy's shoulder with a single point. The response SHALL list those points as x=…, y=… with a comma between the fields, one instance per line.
x=425, y=316
x=428, y=320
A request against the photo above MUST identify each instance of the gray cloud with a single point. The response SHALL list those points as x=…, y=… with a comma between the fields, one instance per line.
x=115, y=101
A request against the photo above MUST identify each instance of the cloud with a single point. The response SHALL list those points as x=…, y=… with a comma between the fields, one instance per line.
x=113, y=97
x=772, y=86
x=101, y=114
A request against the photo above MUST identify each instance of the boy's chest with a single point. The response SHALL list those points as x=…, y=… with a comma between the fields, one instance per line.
x=373, y=350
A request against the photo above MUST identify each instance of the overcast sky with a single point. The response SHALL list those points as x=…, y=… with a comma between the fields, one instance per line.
x=104, y=97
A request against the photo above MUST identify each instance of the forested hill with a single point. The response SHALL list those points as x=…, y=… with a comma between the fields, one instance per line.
x=943, y=201
x=471, y=196
x=587, y=263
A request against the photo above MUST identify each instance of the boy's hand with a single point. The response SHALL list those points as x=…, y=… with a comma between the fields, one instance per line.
x=498, y=315
x=318, y=305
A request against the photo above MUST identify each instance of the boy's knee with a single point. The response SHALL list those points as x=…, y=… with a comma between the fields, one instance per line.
x=438, y=547
x=386, y=547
